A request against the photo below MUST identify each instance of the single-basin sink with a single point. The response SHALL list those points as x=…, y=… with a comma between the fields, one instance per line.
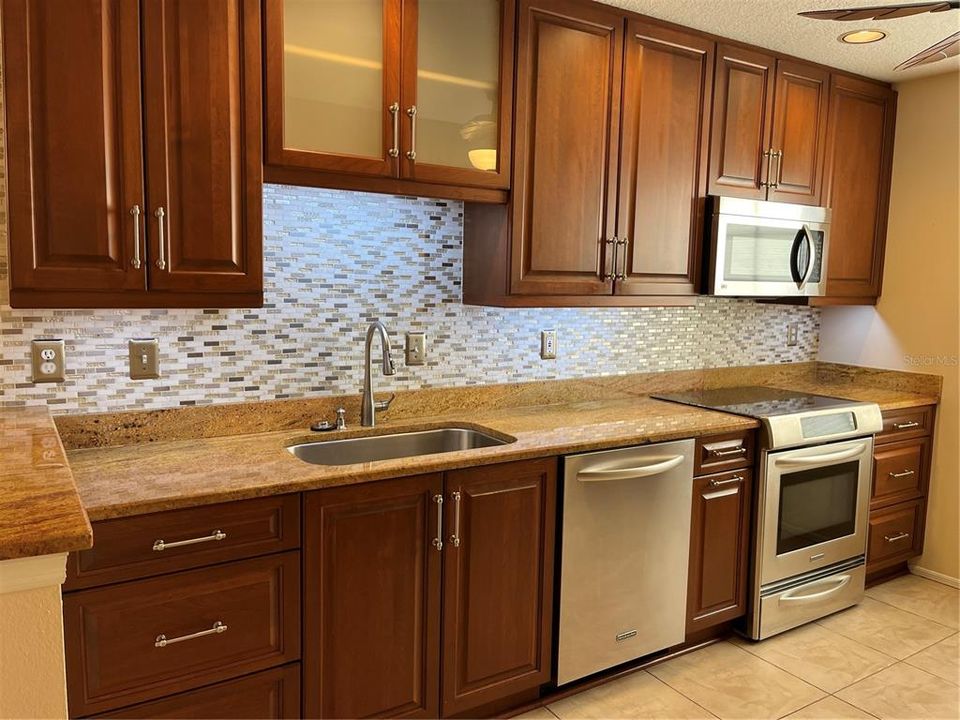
x=395, y=445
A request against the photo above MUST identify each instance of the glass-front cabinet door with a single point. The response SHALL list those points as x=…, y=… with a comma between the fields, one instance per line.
x=457, y=90
x=333, y=85
x=412, y=89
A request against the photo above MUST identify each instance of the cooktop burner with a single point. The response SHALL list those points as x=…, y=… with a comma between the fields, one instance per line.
x=755, y=401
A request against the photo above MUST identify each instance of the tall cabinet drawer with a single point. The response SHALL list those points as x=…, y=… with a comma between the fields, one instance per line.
x=163, y=542
x=896, y=534
x=142, y=640
x=899, y=472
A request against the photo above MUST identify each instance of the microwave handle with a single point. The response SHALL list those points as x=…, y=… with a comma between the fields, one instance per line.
x=812, y=263
x=795, y=257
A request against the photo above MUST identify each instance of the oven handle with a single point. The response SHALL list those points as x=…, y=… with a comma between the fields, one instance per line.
x=838, y=584
x=811, y=257
x=820, y=459
x=631, y=472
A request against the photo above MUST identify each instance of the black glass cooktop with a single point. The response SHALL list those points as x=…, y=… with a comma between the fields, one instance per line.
x=754, y=401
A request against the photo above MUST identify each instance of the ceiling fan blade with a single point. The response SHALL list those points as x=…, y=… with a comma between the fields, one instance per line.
x=886, y=12
x=946, y=48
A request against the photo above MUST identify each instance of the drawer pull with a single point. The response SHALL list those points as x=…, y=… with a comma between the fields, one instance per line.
x=160, y=545
x=162, y=641
x=896, y=538
x=905, y=473
x=906, y=425
x=721, y=483
x=727, y=453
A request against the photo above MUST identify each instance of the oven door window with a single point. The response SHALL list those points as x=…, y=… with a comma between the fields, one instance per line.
x=817, y=505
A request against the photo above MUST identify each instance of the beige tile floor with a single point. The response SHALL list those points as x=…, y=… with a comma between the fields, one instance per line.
x=896, y=655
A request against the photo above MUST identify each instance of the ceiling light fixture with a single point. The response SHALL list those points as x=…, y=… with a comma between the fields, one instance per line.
x=862, y=37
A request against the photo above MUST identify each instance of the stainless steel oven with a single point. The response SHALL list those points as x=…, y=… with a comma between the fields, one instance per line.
x=766, y=249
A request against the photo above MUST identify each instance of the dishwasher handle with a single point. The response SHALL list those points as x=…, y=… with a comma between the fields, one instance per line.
x=630, y=472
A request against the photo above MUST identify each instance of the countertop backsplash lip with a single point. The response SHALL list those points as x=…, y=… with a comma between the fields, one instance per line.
x=335, y=260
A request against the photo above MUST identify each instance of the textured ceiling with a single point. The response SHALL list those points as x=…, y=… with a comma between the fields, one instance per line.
x=774, y=24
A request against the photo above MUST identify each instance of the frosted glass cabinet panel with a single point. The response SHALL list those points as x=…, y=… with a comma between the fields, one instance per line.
x=458, y=79
x=414, y=90
x=333, y=76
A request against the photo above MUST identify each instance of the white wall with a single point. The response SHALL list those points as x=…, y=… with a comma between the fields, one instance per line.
x=916, y=324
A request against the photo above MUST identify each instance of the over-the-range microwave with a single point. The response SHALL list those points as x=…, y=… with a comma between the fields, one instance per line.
x=767, y=249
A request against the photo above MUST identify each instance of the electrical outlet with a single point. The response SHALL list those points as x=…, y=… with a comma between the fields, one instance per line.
x=793, y=332
x=548, y=344
x=416, y=349
x=144, y=359
x=48, y=361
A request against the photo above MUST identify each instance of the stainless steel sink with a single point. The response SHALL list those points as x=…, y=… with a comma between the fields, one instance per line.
x=396, y=445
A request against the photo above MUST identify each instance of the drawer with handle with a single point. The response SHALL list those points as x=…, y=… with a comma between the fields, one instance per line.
x=906, y=423
x=899, y=471
x=896, y=534
x=718, y=453
x=145, y=545
x=269, y=695
x=143, y=640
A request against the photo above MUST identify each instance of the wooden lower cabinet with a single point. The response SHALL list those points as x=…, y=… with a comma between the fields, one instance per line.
x=268, y=695
x=719, y=549
x=372, y=576
x=497, y=582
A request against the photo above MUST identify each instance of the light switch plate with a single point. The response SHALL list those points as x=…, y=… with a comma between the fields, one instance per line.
x=144, y=359
x=416, y=349
x=548, y=344
x=48, y=361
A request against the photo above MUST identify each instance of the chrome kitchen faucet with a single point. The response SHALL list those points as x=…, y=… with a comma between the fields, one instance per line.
x=369, y=406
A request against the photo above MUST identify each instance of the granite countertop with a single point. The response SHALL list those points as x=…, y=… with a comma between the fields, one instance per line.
x=135, y=479
x=129, y=463
x=40, y=510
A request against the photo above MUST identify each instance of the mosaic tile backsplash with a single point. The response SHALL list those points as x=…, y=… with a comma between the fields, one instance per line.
x=334, y=261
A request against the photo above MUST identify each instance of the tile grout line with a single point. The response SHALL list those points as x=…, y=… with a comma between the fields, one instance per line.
x=681, y=694
x=927, y=648
x=911, y=612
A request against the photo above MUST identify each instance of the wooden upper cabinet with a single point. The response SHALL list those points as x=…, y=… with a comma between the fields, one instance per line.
x=368, y=90
x=372, y=627
x=73, y=143
x=497, y=582
x=742, y=111
x=202, y=66
x=569, y=69
x=666, y=103
x=799, y=132
x=857, y=184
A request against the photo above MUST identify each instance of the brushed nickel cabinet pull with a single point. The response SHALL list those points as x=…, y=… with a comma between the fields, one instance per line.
x=455, y=538
x=135, y=262
x=730, y=481
x=897, y=537
x=163, y=641
x=778, y=156
x=162, y=259
x=905, y=473
x=611, y=243
x=160, y=545
x=412, y=152
x=906, y=425
x=438, y=540
x=621, y=274
x=395, y=112
x=768, y=154
x=715, y=452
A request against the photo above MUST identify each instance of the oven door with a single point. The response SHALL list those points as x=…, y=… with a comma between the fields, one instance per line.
x=768, y=257
x=813, y=507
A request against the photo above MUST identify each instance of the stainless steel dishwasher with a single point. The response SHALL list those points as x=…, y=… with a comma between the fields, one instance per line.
x=624, y=555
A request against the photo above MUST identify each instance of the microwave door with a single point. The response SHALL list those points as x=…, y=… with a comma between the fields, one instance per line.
x=759, y=257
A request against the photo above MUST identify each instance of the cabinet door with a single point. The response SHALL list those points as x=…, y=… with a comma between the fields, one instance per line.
x=371, y=627
x=858, y=166
x=202, y=104
x=457, y=91
x=333, y=85
x=742, y=110
x=497, y=582
x=799, y=132
x=719, y=547
x=666, y=103
x=74, y=157
x=569, y=67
